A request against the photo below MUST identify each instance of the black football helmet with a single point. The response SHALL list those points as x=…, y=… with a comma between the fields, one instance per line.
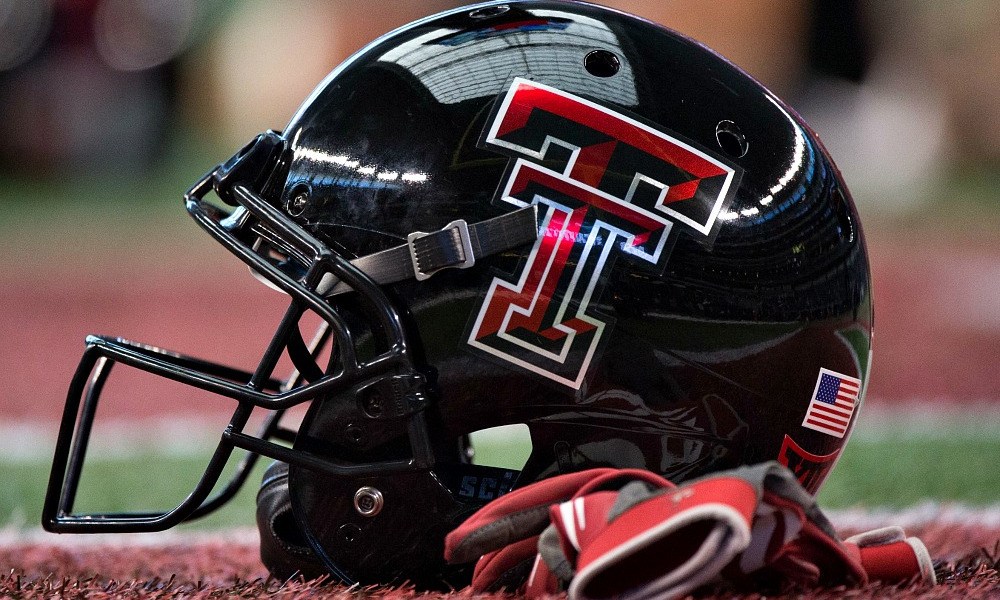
x=543, y=213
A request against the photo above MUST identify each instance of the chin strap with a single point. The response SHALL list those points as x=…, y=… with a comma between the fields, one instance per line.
x=456, y=246
x=631, y=534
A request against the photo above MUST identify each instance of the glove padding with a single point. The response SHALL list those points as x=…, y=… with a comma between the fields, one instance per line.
x=632, y=534
x=888, y=555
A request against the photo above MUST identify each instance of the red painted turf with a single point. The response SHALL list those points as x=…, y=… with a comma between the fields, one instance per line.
x=937, y=317
x=967, y=557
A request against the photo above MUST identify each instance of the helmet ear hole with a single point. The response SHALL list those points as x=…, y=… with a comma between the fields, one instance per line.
x=506, y=446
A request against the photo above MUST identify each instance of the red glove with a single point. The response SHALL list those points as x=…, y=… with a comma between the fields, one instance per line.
x=633, y=534
x=503, y=535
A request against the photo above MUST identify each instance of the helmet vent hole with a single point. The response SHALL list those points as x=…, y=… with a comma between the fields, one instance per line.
x=489, y=11
x=731, y=139
x=601, y=63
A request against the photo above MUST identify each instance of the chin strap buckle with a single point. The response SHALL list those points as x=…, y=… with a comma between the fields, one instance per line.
x=447, y=248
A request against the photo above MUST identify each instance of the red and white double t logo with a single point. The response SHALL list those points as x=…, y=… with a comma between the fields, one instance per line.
x=604, y=184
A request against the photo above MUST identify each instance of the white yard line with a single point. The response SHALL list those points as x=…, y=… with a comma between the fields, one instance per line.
x=31, y=441
x=928, y=420
x=12, y=537
x=919, y=515
x=34, y=441
x=858, y=519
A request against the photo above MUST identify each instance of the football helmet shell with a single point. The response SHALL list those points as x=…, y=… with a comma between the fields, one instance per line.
x=542, y=213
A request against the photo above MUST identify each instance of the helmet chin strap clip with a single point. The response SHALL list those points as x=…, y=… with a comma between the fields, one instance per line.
x=456, y=246
x=394, y=396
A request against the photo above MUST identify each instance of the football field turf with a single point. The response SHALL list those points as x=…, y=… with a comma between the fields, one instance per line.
x=930, y=467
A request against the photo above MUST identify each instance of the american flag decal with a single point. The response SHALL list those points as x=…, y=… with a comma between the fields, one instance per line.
x=832, y=404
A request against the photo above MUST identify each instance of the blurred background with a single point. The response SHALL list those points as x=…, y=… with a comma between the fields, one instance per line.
x=904, y=92
x=110, y=109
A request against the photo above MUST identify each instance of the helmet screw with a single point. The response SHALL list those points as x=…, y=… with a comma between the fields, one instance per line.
x=298, y=205
x=298, y=201
x=374, y=404
x=368, y=501
x=355, y=434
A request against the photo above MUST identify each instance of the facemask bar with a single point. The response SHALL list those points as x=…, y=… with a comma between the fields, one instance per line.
x=258, y=389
